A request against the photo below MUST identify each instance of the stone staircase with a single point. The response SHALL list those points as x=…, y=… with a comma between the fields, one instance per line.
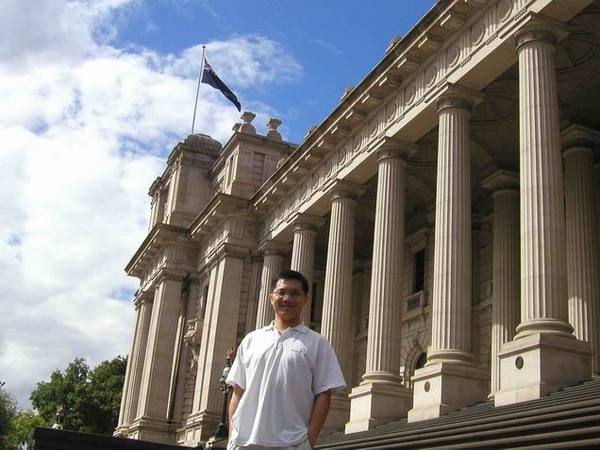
x=568, y=419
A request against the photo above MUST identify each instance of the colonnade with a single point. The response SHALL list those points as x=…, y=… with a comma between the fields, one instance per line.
x=545, y=313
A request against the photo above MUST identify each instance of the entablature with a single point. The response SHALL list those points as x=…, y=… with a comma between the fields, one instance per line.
x=462, y=61
x=400, y=64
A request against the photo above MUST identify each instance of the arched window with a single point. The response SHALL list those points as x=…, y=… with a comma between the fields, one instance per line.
x=421, y=361
x=418, y=362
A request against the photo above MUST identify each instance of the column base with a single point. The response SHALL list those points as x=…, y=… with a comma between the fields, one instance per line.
x=200, y=427
x=121, y=431
x=148, y=429
x=374, y=403
x=339, y=412
x=535, y=365
x=444, y=387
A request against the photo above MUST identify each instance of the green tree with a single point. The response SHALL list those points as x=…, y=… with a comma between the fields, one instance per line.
x=104, y=390
x=90, y=398
x=8, y=410
x=20, y=433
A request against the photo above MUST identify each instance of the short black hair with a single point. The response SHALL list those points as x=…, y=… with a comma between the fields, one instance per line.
x=291, y=275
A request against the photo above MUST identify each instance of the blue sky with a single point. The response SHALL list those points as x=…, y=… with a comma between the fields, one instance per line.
x=94, y=94
x=335, y=42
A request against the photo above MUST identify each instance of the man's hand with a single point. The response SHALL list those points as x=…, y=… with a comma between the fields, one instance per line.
x=318, y=416
x=236, y=396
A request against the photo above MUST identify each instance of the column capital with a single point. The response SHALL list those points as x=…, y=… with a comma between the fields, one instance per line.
x=391, y=147
x=272, y=247
x=339, y=189
x=141, y=297
x=502, y=180
x=578, y=137
x=307, y=222
x=455, y=96
x=231, y=250
x=169, y=274
x=540, y=29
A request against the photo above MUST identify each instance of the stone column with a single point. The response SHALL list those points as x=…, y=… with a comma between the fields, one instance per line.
x=544, y=345
x=152, y=411
x=381, y=394
x=303, y=254
x=219, y=334
x=450, y=379
x=253, y=292
x=336, y=323
x=583, y=267
x=505, y=265
x=135, y=364
x=273, y=252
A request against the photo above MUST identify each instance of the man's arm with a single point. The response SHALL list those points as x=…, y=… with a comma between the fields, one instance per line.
x=318, y=416
x=234, y=402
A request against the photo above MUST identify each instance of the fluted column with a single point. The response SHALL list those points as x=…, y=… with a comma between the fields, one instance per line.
x=158, y=361
x=450, y=367
x=544, y=355
x=385, y=307
x=337, y=297
x=272, y=265
x=303, y=255
x=583, y=267
x=543, y=272
x=451, y=309
x=381, y=395
x=135, y=364
x=254, y=292
x=505, y=265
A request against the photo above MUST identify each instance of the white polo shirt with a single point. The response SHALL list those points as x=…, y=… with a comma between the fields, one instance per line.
x=281, y=374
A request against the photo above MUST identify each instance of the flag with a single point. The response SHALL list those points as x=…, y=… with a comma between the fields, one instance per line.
x=210, y=77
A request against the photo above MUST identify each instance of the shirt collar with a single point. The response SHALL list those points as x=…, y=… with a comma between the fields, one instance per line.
x=301, y=328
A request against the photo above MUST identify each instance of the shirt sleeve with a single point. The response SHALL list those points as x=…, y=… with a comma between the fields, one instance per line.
x=237, y=373
x=327, y=374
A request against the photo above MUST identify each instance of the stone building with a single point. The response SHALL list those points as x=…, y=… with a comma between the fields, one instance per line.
x=445, y=213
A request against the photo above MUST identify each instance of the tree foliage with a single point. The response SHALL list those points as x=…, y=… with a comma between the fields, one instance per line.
x=8, y=410
x=20, y=433
x=90, y=398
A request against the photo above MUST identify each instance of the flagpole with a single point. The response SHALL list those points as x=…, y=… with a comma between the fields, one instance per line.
x=198, y=88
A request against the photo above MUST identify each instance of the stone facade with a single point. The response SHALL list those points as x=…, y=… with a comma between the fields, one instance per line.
x=445, y=213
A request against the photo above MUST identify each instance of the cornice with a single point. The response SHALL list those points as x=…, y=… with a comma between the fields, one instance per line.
x=155, y=240
x=218, y=207
x=155, y=186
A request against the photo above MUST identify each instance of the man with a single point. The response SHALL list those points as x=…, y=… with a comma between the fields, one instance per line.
x=282, y=377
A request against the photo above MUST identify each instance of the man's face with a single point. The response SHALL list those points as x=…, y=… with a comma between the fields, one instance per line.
x=288, y=300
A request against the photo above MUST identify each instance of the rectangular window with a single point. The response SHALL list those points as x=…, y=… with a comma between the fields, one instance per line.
x=419, y=274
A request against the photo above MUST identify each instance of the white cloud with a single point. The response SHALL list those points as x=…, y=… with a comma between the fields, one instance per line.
x=87, y=130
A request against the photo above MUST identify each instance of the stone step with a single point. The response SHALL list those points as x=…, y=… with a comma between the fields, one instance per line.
x=563, y=418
